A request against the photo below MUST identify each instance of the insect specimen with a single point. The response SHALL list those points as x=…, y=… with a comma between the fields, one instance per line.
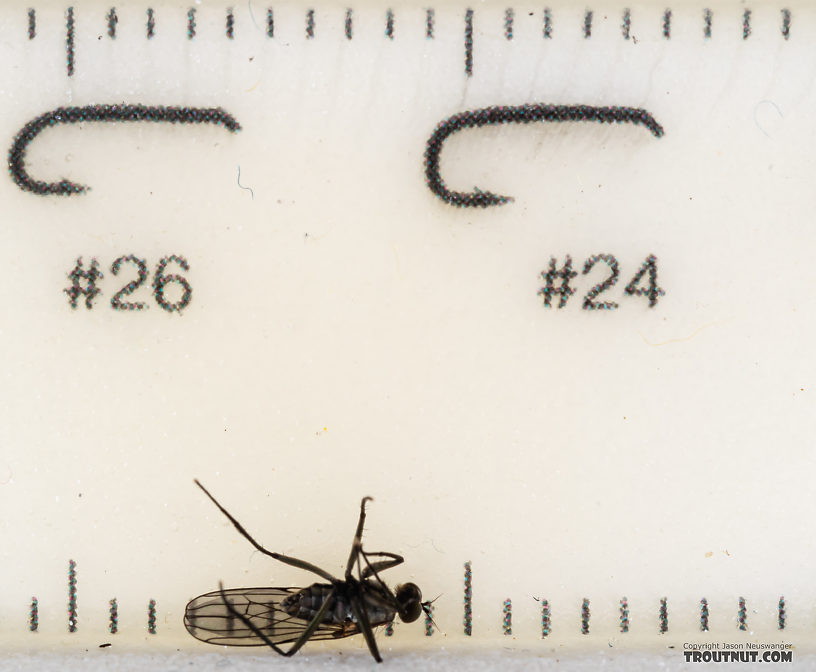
x=334, y=609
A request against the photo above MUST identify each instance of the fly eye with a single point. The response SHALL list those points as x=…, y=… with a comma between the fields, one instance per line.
x=409, y=601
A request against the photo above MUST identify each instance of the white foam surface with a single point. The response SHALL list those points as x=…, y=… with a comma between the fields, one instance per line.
x=109, y=660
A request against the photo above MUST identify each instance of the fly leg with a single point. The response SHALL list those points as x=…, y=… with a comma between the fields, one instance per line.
x=365, y=627
x=302, y=564
x=357, y=544
x=380, y=565
x=314, y=624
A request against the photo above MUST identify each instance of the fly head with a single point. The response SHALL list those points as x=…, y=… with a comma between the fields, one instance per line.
x=409, y=602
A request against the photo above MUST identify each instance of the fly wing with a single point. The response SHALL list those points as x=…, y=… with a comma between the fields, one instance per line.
x=207, y=618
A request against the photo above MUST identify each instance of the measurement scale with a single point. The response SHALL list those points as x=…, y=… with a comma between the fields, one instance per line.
x=536, y=278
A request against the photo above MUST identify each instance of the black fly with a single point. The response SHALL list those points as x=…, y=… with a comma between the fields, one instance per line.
x=323, y=611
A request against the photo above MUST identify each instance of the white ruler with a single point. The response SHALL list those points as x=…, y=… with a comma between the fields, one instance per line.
x=350, y=277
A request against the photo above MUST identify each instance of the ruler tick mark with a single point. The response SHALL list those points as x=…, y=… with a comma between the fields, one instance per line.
x=468, y=619
x=585, y=617
x=429, y=24
x=112, y=19
x=664, y=616
x=34, y=615
x=310, y=24
x=389, y=24
x=707, y=18
x=507, y=620
x=781, y=616
x=624, y=615
x=545, y=619
x=151, y=617
x=191, y=23
x=270, y=23
x=704, y=615
x=230, y=27
x=742, y=615
x=626, y=27
x=509, y=15
x=113, y=616
x=667, y=16
x=32, y=24
x=746, y=24
x=429, y=623
x=547, y=31
x=72, y=597
x=786, y=23
x=69, y=40
x=469, y=43
x=349, y=27
x=588, y=24
x=151, y=24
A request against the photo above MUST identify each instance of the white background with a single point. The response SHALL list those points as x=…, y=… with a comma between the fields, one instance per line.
x=350, y=334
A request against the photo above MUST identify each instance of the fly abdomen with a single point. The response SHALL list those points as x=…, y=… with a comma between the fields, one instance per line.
x=307, y=602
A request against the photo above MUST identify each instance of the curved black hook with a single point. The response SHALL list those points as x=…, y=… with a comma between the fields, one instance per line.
x=520, y=114
x=73, y=115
